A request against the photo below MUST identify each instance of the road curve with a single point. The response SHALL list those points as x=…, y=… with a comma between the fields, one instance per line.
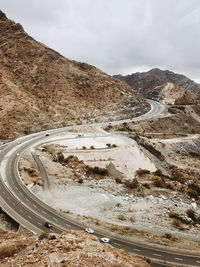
x=32, y=213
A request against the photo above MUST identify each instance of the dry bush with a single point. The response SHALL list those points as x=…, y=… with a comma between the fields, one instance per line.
x=140, y=172
x=96, y=170
x=191, y=214
x=91, y=147
x=121, y=217
x=118, y=180
x=84, y=147
x=131, y=183
x=178, y=217
x=10, y=250
x=43, y=235
x=176, y=223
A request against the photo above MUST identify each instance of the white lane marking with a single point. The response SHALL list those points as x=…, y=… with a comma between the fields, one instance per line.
x=67, y=225
x=20, y=193
x=3, y=192
x=8, y=197
x=178, y=259
x=44, y=212
x=27, y=199
x=29, y=217
x=14, y=204
x=34, y=206
x=136, y=249
x=157, y=254
x=55, y=219
x=21, y=210
x=39, y=223
x=198, y=261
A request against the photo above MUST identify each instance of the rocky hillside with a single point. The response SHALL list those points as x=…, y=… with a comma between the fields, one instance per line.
x=41, y=89
x=145, y=82
x=170, y=93
x=66, y=250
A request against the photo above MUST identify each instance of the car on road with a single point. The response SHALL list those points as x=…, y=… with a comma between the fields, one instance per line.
x=89, y=230
x=48, y=225
x=47, y=134
x=17, y=154
x=105, y=240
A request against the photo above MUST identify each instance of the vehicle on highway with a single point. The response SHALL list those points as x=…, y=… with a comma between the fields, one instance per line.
x=47, y=134
x=89, y=230
x=105, y=240
x=17, y=154
x=48, y=225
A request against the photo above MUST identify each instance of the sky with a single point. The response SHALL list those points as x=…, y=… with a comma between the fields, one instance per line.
x=116, y=36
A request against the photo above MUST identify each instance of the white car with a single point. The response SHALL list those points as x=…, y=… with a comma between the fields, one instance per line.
x=105, y=240
x=17, y=154
x=89, y=230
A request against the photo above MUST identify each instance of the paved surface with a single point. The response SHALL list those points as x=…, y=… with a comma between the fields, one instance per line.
x=32, y=213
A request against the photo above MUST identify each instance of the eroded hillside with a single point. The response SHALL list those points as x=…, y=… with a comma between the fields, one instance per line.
x=41, y=89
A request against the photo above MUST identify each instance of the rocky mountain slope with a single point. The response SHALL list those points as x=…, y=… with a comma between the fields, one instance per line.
x=170, y=93
x=41, y=89
x=145, y=82
x=66, y=250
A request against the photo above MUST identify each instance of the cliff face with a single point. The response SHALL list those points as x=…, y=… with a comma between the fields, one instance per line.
x=145, y=82
x=71, y=248
x=41, y=89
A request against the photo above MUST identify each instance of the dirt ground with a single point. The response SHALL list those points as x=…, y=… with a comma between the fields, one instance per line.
x=134, y=209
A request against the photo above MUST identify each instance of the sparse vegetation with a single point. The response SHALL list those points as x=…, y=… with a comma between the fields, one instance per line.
x=131, y=183
x=167, y=235
x=96, y=170
x=141, y=172
x=121, y=217
x=43, y=235
x=176, y=223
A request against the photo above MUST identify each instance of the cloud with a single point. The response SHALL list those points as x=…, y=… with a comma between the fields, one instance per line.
x=114, y=35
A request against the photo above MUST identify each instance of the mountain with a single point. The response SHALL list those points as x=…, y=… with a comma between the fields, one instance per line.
x=145, y=82
x=170, y=93
x=41, y=89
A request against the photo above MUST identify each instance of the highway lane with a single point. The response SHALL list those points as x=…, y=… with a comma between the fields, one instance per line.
x=36, y=212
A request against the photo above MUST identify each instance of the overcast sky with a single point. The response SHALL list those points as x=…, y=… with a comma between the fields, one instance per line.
x=117, y=36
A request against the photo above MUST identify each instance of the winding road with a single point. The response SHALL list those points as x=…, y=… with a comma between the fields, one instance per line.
x=25, y=208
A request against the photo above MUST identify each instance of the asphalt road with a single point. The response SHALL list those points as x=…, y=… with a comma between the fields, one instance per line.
x=29, y=211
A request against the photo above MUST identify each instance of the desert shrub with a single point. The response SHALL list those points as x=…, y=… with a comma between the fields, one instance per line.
x=131, y=183
x=60, y=157
x=91, y=147
x=132, y=219
x=43, y=235
x=158, y=172
x=118, y=205
x=191, y=214
x=142, y=172
x=195, y=186
x=84, y=147
x=146, y=185
x=118, y=180
x=178, y=217
x=176, y=223
x=114, y=145
x=108, y=145
x=167, y=235
x=193, y=194
x=7, y=251
x=158, y=182
x=80, y=180
x=96, y=170
x=121, y=217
